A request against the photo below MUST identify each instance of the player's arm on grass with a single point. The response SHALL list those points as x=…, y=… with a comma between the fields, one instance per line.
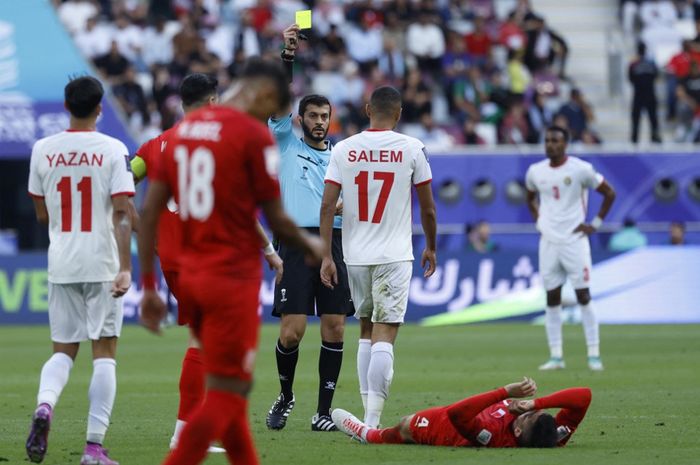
x=122, y=221
x=463, y=413
x=329, y=202
x=152, y=307
x=273, y=259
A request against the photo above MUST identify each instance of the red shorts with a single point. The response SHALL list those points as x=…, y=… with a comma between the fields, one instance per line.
x=433, y=427
x=183, y=313
x=225, y=319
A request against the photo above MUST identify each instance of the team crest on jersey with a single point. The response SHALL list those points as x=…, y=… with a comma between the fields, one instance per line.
x=567, y=181
x=484, y=437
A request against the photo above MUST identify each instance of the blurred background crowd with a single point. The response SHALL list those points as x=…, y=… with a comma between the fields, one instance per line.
x=469, y=73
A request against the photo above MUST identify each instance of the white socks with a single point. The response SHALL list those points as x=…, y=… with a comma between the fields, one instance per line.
x=179, y=426
x=54, y=376
x=364, y=348
x=379, y=375
x=553, y=327
x=590, y=330
x=103, y=389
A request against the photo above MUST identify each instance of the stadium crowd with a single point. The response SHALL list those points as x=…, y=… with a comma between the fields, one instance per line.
x=468, y=75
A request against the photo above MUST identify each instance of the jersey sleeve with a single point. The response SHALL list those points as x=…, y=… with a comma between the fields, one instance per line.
x=122, y=179
x=282, y=130
x=422, y=173
x=530, y=180
x=35, y=187
x=591, y=178
x=333, y=170
x=573, y=403
x=263, y=157
x=463, y=414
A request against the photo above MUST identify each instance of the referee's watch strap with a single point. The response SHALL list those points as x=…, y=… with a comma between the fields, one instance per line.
x=288, y=62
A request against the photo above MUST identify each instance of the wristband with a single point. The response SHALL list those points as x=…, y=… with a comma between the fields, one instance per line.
x=597, y=222
x=287, y=56
x=269, y=249
x=148, y=281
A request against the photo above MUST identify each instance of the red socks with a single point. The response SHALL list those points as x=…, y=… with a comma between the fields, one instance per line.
x=223, y=416
x=385, y=436
x=191, y=384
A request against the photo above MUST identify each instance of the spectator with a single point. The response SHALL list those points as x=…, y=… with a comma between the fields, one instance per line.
x=578, y=114
x=539, y=117
x=514, y=129
x=426, y=42
x=333, y=42
x=478, y=41
x=479, y=237
x=544, y=48
x=511, y=35
x=642, y=74
x=129, y=38
x=95, y=40
x=518, y=75
x=416, y=97
x=688, y=92
x=471, y=137
x=159, y=42
x=74, y=14
x=132, y=99
x=677, y=233
x=113, y=64
x=677, y=68
x=435, y=138
x=391, y=61
x=365, y=42
x=628, y=238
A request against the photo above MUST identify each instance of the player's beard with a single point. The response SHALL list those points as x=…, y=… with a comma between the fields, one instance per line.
x=309, y=133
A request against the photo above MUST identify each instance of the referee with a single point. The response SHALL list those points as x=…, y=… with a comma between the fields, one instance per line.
x=300, y=292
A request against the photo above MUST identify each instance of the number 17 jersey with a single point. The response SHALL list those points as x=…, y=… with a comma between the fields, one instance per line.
x=376, y=170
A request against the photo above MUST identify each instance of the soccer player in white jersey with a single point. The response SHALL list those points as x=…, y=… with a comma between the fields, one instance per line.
x=375, y=171
x=562, y=182
x=81, y=181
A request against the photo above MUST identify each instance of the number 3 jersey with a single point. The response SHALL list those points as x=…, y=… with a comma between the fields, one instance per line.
x=77, y=173
x=376, y=170
x=563, y=193
x=220, y=164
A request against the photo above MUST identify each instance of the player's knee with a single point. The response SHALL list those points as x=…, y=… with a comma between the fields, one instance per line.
x=583, y=296
x=333, y=330
x=553, y=298
x=290, y=337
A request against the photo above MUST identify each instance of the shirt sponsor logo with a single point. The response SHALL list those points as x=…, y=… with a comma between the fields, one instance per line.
x=484, y=437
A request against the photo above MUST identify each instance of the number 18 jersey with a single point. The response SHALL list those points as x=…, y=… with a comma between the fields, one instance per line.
x=77, y=173
x=376, y=170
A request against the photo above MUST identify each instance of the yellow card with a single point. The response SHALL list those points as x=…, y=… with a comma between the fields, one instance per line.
x=303, y=19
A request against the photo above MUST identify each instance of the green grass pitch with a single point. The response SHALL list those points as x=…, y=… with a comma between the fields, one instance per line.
x=645, y=409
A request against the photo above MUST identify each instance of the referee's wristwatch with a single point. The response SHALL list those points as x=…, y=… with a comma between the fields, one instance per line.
x=286, y=56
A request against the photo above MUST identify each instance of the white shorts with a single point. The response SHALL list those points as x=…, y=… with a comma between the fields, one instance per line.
x=559, y=261
x=380, y=291
x=82, y=311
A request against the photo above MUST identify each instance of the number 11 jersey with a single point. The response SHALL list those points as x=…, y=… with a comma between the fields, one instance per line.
x=376, y=169
x=77, y=173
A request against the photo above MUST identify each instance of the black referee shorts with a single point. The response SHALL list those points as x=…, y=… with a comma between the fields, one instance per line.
x=301, y=292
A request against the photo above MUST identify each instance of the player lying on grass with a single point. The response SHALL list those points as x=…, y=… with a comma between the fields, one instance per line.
x=490, y=419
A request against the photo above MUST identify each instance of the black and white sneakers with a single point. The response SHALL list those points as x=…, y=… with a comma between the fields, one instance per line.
x=280, y=410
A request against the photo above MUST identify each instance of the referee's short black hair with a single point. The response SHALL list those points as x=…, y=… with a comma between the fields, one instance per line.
x=260, y=68
x=385, y=101
x=196, y=88
x=564, y=132
x=82, y=96
x=313, y=99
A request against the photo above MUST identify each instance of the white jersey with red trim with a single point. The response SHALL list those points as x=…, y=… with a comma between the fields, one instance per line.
x=563, y=193
x=77, y=173
x=376, y=170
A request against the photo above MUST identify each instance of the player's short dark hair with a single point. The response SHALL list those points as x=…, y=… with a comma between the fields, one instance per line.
x=83, y=95
x=543, y=432
x=196, y=88
x=564, y=132
x=313, y=99
x=385, y=101
x=260, y=68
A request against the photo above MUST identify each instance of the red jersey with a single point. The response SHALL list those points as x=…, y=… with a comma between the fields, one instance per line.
x=484, y=419
x=169, y=234
x=478, y=44
x=220, y=164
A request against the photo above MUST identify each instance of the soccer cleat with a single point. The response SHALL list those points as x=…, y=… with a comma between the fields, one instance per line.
x=322, y=423
x=38, y=439
x=553, y=363
x=350, y=425
x=280, y=410
x=95, y=454
x=595, y=364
